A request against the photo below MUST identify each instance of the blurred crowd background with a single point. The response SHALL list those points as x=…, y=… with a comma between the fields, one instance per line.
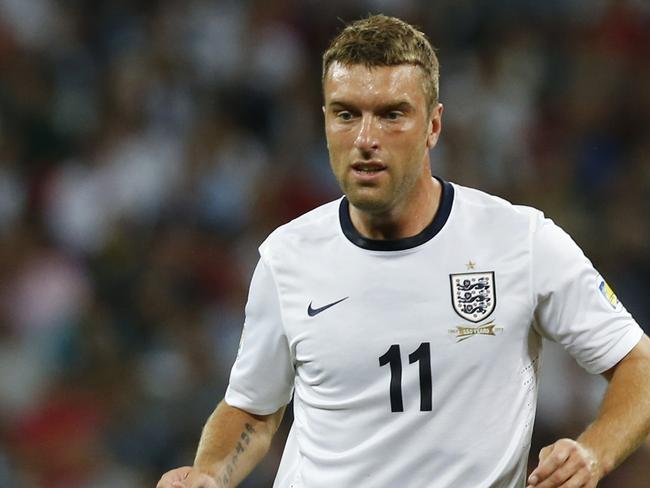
x=147, y=147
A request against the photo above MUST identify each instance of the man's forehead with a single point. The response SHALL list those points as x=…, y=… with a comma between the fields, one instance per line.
x=338, y=71
x=403, y=80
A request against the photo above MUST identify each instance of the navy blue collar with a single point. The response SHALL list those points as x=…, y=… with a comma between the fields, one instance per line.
x=428, y=233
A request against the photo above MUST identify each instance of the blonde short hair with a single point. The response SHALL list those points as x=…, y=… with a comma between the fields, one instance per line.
x=380, y=40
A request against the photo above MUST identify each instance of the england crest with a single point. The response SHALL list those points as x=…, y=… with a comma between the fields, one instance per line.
x=473, y=295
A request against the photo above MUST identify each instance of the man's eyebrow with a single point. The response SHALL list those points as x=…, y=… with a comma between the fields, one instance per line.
x=402, y=105
x=339, y=103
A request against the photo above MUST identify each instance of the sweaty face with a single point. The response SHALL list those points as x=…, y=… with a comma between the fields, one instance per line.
x=379, y=133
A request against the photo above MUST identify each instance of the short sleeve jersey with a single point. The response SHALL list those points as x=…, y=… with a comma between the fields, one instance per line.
x=414, y=363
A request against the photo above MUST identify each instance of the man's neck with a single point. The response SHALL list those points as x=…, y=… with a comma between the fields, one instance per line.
x=404, y=221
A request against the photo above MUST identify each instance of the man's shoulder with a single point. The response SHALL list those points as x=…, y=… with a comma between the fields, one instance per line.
x=475, y=200
x=312, y=226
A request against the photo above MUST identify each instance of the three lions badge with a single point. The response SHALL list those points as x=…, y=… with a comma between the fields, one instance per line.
x=473, y=295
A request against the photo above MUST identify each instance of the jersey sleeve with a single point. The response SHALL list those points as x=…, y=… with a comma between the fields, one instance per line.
x=575, y=306
x=262, y=378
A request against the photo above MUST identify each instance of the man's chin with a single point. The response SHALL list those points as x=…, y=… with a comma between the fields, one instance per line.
x=368, y=201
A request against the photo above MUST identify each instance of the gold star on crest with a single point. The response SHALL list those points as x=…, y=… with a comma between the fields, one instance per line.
x=471, y=264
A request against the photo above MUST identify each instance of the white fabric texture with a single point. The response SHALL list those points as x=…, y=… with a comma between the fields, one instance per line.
x=334, y=321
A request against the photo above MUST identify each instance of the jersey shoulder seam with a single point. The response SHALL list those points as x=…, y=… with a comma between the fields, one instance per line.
x=308, y=219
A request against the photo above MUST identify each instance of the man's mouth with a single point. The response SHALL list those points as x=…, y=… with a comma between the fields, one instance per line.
x=368, y=167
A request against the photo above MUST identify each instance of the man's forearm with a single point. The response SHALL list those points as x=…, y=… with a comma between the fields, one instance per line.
x=624, y=418
x=233, y=442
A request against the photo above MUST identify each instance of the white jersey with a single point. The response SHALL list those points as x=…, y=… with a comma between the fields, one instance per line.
x=414, y=363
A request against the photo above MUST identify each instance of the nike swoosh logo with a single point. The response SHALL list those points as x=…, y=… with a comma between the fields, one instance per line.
x=315, y=311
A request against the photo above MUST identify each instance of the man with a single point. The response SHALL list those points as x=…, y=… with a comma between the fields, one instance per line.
x=406, y=318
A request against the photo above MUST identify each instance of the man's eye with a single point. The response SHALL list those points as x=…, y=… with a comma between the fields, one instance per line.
x=393, y=115
x=344, y=115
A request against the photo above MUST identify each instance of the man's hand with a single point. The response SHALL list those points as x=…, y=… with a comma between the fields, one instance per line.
x=186, y=477
x=565, y=464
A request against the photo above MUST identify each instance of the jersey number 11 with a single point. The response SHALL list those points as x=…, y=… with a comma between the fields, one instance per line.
x=421, y=355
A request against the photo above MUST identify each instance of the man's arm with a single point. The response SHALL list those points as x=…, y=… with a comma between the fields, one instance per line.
x=232, y=443
x=621, y=426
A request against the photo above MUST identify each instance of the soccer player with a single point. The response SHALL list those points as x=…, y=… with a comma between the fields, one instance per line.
x=406, y=318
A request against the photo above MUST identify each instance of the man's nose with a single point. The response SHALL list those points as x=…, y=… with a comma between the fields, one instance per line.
x=367, y=137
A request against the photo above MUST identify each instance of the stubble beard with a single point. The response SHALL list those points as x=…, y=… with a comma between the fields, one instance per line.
x=379, y=199
x=369, y=200
x=382, y=198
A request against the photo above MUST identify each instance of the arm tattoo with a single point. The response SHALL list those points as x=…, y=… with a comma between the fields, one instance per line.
x=242, y=445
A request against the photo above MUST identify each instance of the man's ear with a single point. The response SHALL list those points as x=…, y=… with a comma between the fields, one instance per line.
x=435, y=126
